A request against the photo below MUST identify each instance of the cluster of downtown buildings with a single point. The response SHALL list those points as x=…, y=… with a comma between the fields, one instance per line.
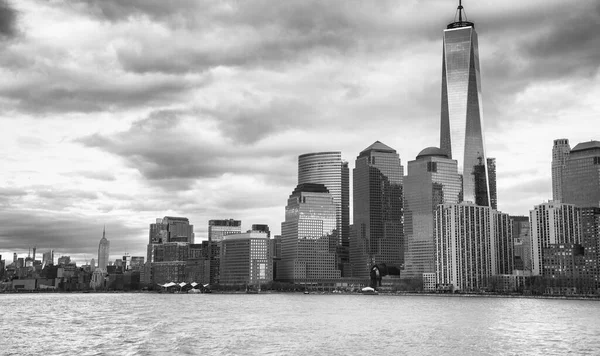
x=437, y=226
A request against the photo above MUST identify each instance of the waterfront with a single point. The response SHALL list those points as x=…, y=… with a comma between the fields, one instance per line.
x=294, y=324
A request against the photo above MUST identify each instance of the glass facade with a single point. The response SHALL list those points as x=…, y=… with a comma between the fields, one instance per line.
x=462, y=133
x=432, y=179
x=378, y=220
x=327, y=168
x=560, y=155
x=308, y=239
x=581, y=175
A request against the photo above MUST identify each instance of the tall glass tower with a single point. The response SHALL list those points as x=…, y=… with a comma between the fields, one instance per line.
x=461, y=134
x=329, y=169
x=378, y=220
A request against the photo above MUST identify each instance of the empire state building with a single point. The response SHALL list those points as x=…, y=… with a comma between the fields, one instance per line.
x=461, y=134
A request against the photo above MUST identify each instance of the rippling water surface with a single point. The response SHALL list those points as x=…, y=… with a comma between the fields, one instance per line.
x=294, y=324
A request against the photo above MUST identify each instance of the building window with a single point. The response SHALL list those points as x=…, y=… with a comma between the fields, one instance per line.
x=432, y=167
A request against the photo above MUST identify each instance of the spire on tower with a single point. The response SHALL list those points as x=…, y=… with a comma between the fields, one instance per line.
x=104, y=231
x=460, y=10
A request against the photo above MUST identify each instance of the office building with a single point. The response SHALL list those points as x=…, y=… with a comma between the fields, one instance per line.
x=522, y=242
x=246, y=259
x=308, y=242
x=262, y=228
x=552, y=223
x=219, y=228
x=560, y=156
x=378, y=236
x=329, y=169
x=462, y=131
x=581, y=176
x=169, y=229
x=103, y=251
x=432, y=179
x=48, y=258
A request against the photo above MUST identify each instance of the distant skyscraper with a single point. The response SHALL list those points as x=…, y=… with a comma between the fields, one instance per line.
x=581, y=176
x=103, y=251
x=522, y=242
x=552, y=223
x=329, y=169
x=308, y=242
x=432, y=179
x=48, y=258
x=263, y=228
x=219, y=228
x=560, y=155
x=461, y=134
x=378, y=236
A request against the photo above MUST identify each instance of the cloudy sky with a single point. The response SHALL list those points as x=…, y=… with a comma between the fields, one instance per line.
x=117, y=112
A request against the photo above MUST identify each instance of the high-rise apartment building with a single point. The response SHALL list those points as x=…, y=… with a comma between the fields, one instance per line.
x=308, y=241
x=378, y=235
x=581, y=176
x=329, y=169
x=461, y=134
x=473, y=244
x=432, y=179
x=552, y=223
x=246, y=259
x=560, y=155
x=103, y=251
x=590, y=240
x=219, y=228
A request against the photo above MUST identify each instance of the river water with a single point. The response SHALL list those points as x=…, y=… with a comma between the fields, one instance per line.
x=294, y=324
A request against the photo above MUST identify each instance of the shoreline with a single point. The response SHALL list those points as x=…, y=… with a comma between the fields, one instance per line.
x=389, y=294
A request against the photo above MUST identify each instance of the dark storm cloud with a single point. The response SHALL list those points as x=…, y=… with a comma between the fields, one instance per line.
x=66, y=233
x=73, y=92
x=8, y=20
x=163, y=147
x=557, y=40
x=259, y=33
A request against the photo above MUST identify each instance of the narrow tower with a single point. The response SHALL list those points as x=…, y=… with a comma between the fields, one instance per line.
x=103, y=251
x=461, y=134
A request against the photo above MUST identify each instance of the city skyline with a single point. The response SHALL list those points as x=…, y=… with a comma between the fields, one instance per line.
x=129, y=112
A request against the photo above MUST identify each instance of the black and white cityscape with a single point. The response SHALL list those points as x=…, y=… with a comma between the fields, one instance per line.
x=173, y=168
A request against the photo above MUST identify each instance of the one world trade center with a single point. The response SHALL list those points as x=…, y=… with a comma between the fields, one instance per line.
x=461, y=134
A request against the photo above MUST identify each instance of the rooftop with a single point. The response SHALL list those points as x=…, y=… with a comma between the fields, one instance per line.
x=584, y=146
x=432, y=152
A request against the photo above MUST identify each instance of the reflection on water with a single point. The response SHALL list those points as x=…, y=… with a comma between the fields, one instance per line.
x=294, y=324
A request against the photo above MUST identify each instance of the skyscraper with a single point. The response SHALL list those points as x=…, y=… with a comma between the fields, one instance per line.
x=461, y=134
x=103, y=251
x=560, y=155
x=307, y=254
x=581, y=176
x=169, y=229
x=329, y=169
x=432, y=179
x=378, y=224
